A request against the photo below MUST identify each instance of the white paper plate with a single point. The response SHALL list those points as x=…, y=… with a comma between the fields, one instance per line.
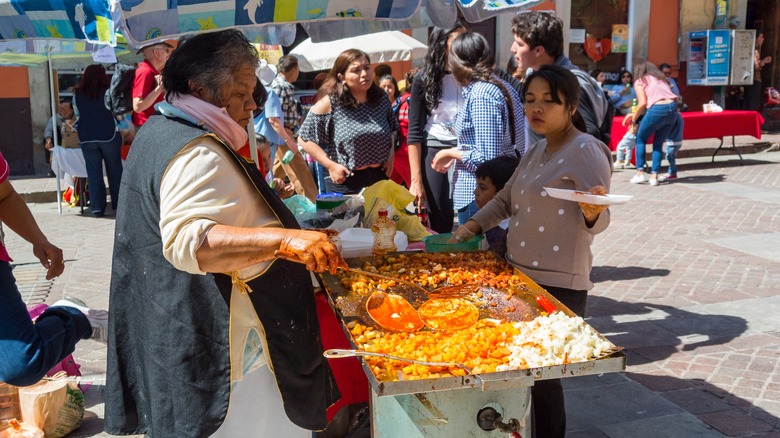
x=579, y=196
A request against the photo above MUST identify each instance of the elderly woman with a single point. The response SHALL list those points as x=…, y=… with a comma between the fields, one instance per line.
x=213, y=330
x=356, y=121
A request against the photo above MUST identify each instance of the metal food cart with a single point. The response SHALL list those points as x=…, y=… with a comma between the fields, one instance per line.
x=458, y=405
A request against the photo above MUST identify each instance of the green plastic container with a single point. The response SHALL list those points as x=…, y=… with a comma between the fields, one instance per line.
x=438, y=243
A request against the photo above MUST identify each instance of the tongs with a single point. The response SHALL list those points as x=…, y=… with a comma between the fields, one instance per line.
x=336, y=353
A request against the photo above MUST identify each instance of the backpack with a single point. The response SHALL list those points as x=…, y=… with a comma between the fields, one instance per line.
x=119, y=96
x=604, y=133
x=396, y=113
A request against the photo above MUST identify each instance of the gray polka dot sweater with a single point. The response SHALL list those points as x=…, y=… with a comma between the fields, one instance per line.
x=548, y=239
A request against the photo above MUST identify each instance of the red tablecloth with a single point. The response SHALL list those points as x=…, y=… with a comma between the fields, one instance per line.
x=705, y=125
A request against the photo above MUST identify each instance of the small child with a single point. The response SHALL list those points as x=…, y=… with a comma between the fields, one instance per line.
x=492, y=175
x=626, y=146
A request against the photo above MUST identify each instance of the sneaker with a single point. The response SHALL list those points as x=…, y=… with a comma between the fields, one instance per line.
x=98, y=319
x=639, y=178
x=620, y=163
x=653, y=181
x=668, y=176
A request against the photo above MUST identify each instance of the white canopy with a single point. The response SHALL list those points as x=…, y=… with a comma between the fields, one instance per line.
x=381, y=47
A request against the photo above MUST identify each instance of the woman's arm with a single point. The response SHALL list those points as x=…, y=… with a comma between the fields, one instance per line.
x=228, y=249
x=641, y=103
x=15, y=213
x=338, y=173
x=418, y=117
x=278, y=127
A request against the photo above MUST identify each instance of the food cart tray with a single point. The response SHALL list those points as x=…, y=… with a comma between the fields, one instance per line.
x=518, y=306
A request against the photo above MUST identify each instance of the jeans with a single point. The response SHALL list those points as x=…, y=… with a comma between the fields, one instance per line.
x=96, y=153
x=465, y=213
x=663, y=121
x=548, y=409
x=626, y=147
x=671, y=157
x=28, y=351
x=322, y=172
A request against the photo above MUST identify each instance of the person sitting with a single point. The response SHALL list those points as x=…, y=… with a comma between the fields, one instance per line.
x=492, y=175
x=622, y=95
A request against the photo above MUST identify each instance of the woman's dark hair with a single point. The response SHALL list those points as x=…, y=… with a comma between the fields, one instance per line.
x=94, y=82
x=646, y=68
x=562, y=83
x=631, y=76
x=392, y=81
x=472, y=60
x=336, y=88
x=595, y=73
x=409, y=78
x=210, y=60
x=436, y=64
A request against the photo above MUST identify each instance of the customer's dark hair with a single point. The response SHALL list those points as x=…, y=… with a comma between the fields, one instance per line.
x=94, y=82
x=436, y=64
x=498, y=170
x=392, y=81
x=540, y=29
x=646, y=68
x=563, y=83
x=287, y=63
x=210, y=60
x=472, y=60
x=260, y=96
x=336, y=88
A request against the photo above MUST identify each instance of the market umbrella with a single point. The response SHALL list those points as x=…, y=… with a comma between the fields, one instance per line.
x=381, y=47
x=273, y=21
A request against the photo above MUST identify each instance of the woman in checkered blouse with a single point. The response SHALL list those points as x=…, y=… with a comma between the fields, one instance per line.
x=490, y=124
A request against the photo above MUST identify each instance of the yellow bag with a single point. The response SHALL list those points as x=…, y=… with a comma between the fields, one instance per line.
x=54, y=406
x=394, y=198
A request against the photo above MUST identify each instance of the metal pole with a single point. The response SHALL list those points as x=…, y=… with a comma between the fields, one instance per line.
x=250, y=129
x=54, y=131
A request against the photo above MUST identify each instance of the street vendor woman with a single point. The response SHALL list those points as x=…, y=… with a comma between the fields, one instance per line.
x=549, y=239
x=212, y=327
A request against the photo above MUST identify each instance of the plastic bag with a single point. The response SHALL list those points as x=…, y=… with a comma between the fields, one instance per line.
x=299, y=205
x=54, y=406
x=394, y=198
x=21, y=430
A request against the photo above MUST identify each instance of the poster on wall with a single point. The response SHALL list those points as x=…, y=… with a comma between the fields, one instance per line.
x=269, y=52
x=619, y=38
x=718, y=56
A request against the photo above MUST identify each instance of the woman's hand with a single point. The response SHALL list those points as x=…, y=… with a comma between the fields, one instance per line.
x=338, y=173
x=465, y=232
x=50, y=257
x=629, y=117
x=444, y=159
x=312, y=248
x=417, y=189
x=591, y=212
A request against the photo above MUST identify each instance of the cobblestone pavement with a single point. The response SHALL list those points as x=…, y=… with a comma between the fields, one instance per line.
x=687, y=280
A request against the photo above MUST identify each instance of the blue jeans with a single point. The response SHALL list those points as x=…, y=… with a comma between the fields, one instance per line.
x=465, y=213
x=28, y=351
x=95, y=153
x=663, y=121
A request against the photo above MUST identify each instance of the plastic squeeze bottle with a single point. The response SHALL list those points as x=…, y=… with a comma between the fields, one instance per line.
x=384, y=234
x=633, y=107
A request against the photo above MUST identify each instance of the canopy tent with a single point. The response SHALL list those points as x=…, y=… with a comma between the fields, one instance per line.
x=84, y=20
x=381, y=47
x=272, y=21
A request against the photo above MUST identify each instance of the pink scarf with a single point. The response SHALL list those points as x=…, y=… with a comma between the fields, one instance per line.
x=214, y=119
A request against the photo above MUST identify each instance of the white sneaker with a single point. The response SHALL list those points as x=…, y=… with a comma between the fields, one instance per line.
x=98, y=319
x=653, y=181
x=620, y=163
x=639, y=178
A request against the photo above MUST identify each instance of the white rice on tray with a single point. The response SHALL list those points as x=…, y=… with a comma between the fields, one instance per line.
x=554, y=340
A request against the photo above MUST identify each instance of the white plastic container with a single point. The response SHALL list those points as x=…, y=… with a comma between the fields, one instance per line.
x=357, y=242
